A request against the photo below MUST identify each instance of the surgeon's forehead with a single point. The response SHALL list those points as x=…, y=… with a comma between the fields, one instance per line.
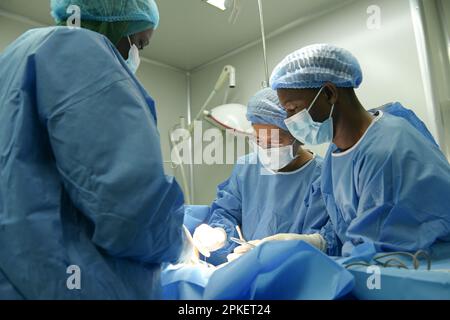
x=288, y=95
x=265, y=128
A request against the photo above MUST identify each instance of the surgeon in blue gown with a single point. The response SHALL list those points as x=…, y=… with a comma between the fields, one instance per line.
x=86, y=211
x=384, y=179
x=274, y=190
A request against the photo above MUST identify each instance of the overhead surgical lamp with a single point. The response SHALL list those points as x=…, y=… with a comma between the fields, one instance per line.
x=228, y=116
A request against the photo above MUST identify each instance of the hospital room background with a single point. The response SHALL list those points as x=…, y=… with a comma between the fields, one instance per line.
x=399, y=44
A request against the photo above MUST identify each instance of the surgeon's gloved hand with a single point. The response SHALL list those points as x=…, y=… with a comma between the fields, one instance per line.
x=315, y=240
x=208, y=239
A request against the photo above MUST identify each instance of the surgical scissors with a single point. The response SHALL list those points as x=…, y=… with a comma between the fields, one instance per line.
x=242, y=242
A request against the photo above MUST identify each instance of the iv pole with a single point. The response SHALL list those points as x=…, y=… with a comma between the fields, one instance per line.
x=265, y=84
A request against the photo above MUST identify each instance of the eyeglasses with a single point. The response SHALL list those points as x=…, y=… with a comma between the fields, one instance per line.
x=274, y=141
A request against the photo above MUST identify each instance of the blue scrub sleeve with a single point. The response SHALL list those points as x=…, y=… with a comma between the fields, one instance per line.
x=194, y=216
x=316, y=213
x=318, y=221
x=333, y=244
x=226, y=213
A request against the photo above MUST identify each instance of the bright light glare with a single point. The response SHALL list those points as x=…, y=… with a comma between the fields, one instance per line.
x=218, y=4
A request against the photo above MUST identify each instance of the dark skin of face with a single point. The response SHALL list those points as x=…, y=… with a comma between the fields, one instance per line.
x=141, y=40
x=350, y=119
x=267, y=137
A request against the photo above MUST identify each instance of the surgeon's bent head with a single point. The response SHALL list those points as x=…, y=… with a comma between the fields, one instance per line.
x=140, y=39
x=123, y=22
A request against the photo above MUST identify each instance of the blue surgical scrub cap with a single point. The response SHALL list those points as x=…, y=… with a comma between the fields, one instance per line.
x=313, y=66
x=109, y=10
x=264, y=108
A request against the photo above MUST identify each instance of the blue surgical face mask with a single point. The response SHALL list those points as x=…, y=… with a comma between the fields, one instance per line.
x=133, y=60
x=305, y=129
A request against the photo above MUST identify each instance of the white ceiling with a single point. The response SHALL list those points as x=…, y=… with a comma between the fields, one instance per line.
x=193, y=32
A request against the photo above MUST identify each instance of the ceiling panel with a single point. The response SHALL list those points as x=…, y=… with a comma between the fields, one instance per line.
x=193, y=32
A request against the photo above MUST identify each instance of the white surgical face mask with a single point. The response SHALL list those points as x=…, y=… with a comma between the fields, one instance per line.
x=275, y=158
x=133, y=60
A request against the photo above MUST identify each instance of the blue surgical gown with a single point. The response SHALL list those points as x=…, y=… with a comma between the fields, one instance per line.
x=81, y=173
x=391, y=189
x=396, y=109
x=264, y=204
